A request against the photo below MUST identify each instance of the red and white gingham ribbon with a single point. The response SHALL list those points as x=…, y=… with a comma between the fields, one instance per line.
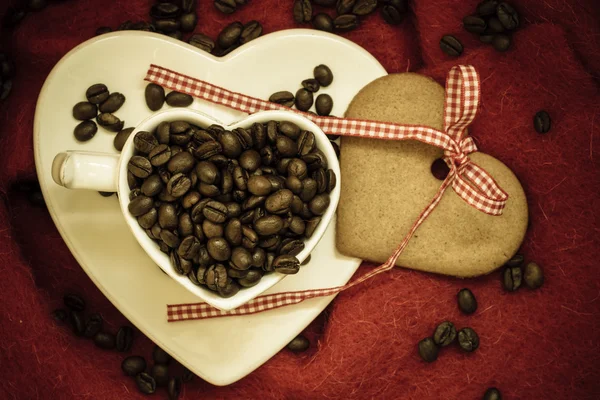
x=471, y=182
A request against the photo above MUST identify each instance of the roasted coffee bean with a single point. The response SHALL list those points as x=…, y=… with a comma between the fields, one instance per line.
x=252, y=202
x=105, y=340
x=268, y=265
x=292, y=247
x=74, y=302
x=169, y=26
x=60, y=315
x=179, y=184
x=345, y=22
x=164, y=10
x=251, y=279
x=163, y=132
x=113, y=103
x=174, y=388
x=167, y=216
x=120, y=138
x=294, y=184
x=508, y=16
x=451, y=46
x=251, y=31
x=250, y=160
x=306, y=143
x=467, y=303
x=93, y=325
x=160, y=155
x=315, y=160
x=189, y=248
x=306, y=261
x=259, y=185
x=364, y=7
x=428, y=350
x=85, y=130
x=241, y=259
x=286, y=264
x=249, y=237
x=232, y=147
x=336, y=149
x=219, y=249
x=515, y=261
x=474, y=24
x=319, y=204
x=110, y=122
x=302, y=11
x=188, y=22
x=299, y=344
x=324, y=104
x=160, y=356
x=133, y=365
x=190, y=200
x=297, y=225
x=233, y=232
x=323, y=22
x=244, y=137
x=344, y=6
x=207, y=172
x=231, y=289
x=160, y=373
x=225, y=6
x=268, y=225
x=84, y=110
x=511, y=278
x=124, y=339
x=152, y=186
x=97, y=93
x=501, y=42
x=492, y=394
x=170, y=239
x=212, y=230
x=147, y=220
x=487, y=8
x=155, y=96
x=392, y=15
x=289, y=129
x=284, y=98
x=132, y=181
x=533, y=276
x=311, y=225
x=202, y=41
x=542, y=122
x=76, y=322
x=320, y=177
x=176, y=99
x=444, y=334
x=282, y=165
x=181, y=163
x=215, y=211
x=186, y=226
x=494, y=26
x=208, y=150
x=279, y=202
x=259, y=256
x=145, y=383
x=297, y=167
x=286, y=147
x=259, y=136
x=468, y=339
x=312, y=85
x=304, y=100
x=230, y=34
x=144, y=142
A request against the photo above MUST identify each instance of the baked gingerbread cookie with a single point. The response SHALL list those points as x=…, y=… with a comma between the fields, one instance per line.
x=386, y=184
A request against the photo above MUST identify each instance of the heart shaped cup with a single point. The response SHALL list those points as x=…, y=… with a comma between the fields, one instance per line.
x=108, y=172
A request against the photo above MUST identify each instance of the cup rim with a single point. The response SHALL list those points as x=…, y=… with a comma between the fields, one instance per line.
x=200, y=118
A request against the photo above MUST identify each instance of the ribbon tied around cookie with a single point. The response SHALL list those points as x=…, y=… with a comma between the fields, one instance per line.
x=469, y=181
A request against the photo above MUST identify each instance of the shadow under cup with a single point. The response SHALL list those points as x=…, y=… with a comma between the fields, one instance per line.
x=203, y=120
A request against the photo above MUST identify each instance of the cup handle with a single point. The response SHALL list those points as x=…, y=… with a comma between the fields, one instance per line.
x=86, y=170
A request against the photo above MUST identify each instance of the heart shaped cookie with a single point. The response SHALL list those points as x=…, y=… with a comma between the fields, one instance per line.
x=388, y=183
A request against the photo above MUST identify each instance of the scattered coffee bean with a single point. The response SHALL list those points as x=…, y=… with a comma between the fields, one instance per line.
x=105, y=340
x=97, y=94
x=345, y=22
x=160, y=373
x=145, y=383
x=312, y=85
x=344, y=6
x=533, y=276
x=155, y=96
x=133, y=365
x=494, y=26
x=323, y=22
x=160, y=356
x=176, y=99
x=467, y=303
x=324, y=104
x=501, y=42
x=444, y=334
x=508, y=16
x=323, y=75
x=110, y=122
x=511, y=278
x=492, y=394
x=302, y=11
x=124, y=339
x=251, y=31
x=202, y=42
x=542, y=122
x=392, y=15
x=428, y=350
x=85, y=130
x=515, y=261
x=121, y=138
x=76, y=322
x=113, y=103
x=487, y=8
x=299, y=344
x=174, y=388
x=284, y=98
x=230, y=34
x=85, y=110
x=225, y=6
x=74, y=302
x=451, y=46
x=188, y=22
x=474, y=24
x=304, y=100
x=93, y=325
x=468, y=339
x=364, y=7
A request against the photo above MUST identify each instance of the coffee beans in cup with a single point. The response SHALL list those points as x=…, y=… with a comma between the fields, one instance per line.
x=229, y=206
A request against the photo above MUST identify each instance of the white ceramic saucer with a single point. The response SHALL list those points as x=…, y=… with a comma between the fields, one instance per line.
x=95, y=231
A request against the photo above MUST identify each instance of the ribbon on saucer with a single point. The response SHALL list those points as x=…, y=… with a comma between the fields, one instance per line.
x=469, y=181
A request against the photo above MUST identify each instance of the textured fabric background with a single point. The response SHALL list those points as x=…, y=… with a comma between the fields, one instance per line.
x=534, y=344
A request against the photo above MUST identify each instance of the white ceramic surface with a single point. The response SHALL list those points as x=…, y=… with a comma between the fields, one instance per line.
x=95, y=231
x=96, y=171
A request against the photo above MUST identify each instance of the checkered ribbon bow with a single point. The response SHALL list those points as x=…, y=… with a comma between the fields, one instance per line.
x=469, y=181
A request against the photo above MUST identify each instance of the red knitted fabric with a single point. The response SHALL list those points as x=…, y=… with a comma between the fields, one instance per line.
x=540, y=344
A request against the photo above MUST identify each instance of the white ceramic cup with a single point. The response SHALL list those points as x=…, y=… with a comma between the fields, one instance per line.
x=108, y=172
